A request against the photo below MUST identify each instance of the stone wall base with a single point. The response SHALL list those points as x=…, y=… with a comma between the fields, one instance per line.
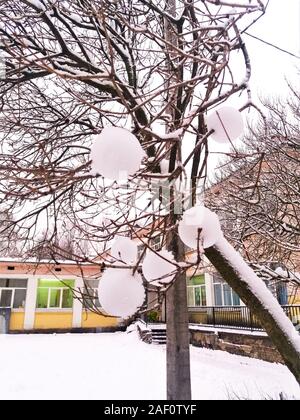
x=241, y=343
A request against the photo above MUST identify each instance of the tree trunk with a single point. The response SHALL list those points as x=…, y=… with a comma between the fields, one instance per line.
x=178, y=340
x=284, y=336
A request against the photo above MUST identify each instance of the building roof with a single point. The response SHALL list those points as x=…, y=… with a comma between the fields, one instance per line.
x=43, y=261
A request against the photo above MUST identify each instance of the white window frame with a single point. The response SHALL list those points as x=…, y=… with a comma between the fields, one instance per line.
x=13, y=289
x=223, y=294
x=12, y=296
x=94, y=291
x=154, y=244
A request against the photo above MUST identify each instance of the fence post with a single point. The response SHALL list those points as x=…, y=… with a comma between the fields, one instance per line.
x=214, y=316
x=251, y=320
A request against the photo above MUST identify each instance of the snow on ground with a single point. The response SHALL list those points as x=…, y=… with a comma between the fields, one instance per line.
x=120, y=366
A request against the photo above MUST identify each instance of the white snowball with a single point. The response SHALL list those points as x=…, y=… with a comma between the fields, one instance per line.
x=195, y=215
x=120, y=293
x=155, y=267
x=227, y=123
x=124, y=249
x=199, y=217
x=116, y=153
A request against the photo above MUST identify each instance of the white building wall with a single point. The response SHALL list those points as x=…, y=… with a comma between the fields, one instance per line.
x=30, y=303
x=209, y=287
x=77, y=306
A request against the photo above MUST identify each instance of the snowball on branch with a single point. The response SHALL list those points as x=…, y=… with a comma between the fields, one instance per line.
x=227, y=124
x=159, y=267
x=116, y=153
x=120, y=293
x=199, y=224
x=124, y=249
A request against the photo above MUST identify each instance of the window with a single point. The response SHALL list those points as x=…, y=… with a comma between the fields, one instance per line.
x=282, y=293
x=155, y=243
x=218, y=294
x=91, y=294
x=140, y=249
x=278, y=288
x=196, y=292
x=13, y=293
x=224, y=295
x=55, y=294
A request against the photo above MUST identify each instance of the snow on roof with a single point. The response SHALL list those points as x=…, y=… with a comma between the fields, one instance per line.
x=44, y=261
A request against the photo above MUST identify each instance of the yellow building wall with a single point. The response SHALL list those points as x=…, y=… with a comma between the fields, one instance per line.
x=16, y=322
x=53, y=320
x=91, y=320
x=294, y=300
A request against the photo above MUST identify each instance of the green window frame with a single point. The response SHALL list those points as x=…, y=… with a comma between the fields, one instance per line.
x=196, y=291
x=55, y=294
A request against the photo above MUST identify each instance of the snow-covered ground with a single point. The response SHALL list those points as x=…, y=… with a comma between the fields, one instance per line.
x=120, y=366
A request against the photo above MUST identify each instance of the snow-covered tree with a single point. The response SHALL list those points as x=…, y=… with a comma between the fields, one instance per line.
x=258, y=192
x=64, y=243
x=155, y=68
x=8, y=236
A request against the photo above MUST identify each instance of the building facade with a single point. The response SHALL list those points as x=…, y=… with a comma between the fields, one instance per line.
x=40, y=296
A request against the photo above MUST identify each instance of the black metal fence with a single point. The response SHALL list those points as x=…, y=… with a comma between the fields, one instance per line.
x=239, y=317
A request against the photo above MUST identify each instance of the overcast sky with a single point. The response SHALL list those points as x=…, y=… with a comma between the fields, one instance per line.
x=279, y=26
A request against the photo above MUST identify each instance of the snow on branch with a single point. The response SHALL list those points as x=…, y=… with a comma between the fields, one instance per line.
x=248, y=5
x=259, y=289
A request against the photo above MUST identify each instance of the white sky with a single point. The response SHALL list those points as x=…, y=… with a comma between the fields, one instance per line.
x=279, y=26
x=270, y=67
